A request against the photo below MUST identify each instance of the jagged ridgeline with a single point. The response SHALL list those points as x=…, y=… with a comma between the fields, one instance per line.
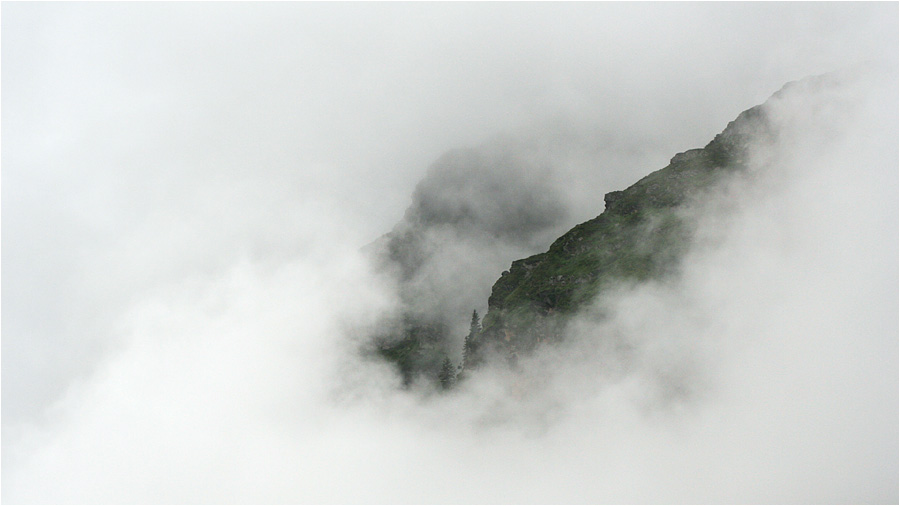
x=478, y=207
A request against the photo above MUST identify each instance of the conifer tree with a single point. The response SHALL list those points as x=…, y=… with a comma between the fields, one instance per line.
x=447, y=374
x=474, y=326
x=469, y=343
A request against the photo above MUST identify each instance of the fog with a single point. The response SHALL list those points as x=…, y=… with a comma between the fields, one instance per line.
x=188, y=189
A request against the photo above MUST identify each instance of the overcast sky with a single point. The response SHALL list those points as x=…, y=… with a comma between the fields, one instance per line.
x=186, y=186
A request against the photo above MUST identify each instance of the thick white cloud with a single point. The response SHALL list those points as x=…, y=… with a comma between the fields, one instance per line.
x=187, y=186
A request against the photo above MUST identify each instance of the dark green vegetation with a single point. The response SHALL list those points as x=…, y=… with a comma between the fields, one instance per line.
x=642, y=234
x=416, y=346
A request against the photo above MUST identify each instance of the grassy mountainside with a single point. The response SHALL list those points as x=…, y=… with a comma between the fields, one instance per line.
x=640, y=235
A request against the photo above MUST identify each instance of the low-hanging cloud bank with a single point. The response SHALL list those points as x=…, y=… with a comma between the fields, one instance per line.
x=767, y=373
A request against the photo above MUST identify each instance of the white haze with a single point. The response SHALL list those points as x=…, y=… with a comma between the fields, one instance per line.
x=187, y=187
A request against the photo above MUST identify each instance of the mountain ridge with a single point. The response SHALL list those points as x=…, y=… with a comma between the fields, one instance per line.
x=642, y=234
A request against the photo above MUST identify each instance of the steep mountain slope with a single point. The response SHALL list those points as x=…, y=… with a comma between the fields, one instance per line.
x=642, y=234
x=476, y=208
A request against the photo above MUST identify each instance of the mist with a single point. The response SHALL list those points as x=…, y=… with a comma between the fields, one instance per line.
x=190, y=187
